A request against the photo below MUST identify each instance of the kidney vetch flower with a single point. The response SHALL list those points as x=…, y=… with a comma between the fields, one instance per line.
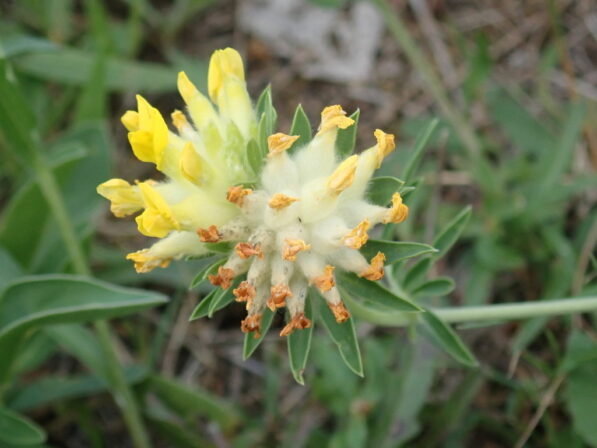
x=291, y=226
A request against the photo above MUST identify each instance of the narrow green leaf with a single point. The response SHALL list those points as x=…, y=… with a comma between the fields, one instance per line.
x=251, y=342
x=262, y=134
x=51, y=390
x=382, y=188
x=448, y=339
x=50, y=299
x=16, y=117
x=9, y=268
x=192, y=402
x=417, y=152
x=450, y=234
x=264, y=102
x=22, y=43
x=347, y=137
x=202, y=309
x=395, y=250
x=581, y=400
x=374, y=292
x=580, y=349
x=210, y=269
x=73, y=67
x=33, y=301
x=223, y=247
x=299, y=344
x=99, y=25
x=255, y=157
x=81, y=343
x=92, y=102
x=437, y=287
x=267, y=116
x=302, y=127
x=552, y=166
x=171, y=432
x=223, y=298
x=404, y=191
x=520, y=126
x=18, y=430
x=415, y=275
x=343, y=335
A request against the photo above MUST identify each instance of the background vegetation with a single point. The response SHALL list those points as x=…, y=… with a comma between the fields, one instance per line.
x=513, y=84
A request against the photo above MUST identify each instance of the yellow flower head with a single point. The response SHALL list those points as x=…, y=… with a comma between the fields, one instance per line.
x=204, y=156
x=305, y=218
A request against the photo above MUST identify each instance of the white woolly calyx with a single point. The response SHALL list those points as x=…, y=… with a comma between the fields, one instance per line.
x=307, y=218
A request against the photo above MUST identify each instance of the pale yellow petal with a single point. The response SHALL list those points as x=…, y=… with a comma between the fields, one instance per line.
x=130, y=120
x=334, y=117
x=125, y=199
x=191, y=164
x=343, y=176
x=223, y=64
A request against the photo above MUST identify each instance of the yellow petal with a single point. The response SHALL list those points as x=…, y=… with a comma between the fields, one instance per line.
x=358, y=236
x=280, y=201
x=186, y=88
x=234, y=104
x=343, y=176
x=157, y=219
x=160, y=136
x=200, y=108
x=385, y=145
x=325, y=281
x=333, y=117
x=223, y=63
x=191, y=165
x=375, y=271
x=398, y=212
x=151, y=139
x=279, y=142
x=144, y=109
x=293, y=247
x=130, y=120
x=145, y=262
x=125, y=199
x=237, y=194
x=179, y=120
x=142, y=144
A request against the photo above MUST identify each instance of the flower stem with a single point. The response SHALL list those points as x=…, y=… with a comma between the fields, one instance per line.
x=498, y=312
x=122, y=393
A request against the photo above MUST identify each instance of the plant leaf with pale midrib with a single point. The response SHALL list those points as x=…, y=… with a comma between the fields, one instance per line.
x=451, y=232
x=301, y=127
x=347, y=137
x=299, y=344
x=448, y=339
x=251, y=342
x=374, y=292
x=395, y=250
x=46, y=299
x=18, y=430
x=381, y=189
x=343, y=335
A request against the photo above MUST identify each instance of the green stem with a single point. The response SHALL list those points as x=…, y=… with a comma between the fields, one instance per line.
x=427, y=72
x=122, y=393
x=499, y=312
x=51, y=192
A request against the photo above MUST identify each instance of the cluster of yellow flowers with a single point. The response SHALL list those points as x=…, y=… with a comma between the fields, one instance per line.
x=306, y=216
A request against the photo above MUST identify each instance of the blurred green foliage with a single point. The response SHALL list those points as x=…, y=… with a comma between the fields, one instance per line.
x=73, y=62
